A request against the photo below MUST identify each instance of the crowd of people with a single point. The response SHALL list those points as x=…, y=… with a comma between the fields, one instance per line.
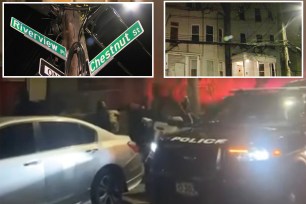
x=160, y=110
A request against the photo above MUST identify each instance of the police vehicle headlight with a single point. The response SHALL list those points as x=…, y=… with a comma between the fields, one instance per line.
x=153, y=146
x=254, y=154
x=259, y=155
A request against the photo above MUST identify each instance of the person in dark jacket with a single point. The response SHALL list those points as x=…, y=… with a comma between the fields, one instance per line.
x=136, y=128
x=102, y=118
x=24, y=106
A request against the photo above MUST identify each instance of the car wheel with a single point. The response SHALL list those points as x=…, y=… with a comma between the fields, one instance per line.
x=106, y=188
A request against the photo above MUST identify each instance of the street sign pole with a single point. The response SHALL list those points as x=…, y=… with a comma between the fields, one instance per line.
x=71, y=26
x=106, y=55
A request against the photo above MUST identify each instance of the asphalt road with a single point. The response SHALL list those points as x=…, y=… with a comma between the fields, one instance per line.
x=137, y=196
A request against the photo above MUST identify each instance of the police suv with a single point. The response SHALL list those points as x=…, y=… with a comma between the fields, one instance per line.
x=252, y=150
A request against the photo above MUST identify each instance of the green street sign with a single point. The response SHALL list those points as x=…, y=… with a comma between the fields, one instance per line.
x=39, y=38
x=104, y=57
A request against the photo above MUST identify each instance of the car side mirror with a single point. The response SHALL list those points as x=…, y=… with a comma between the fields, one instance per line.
x=148, y=122
x=175, y=121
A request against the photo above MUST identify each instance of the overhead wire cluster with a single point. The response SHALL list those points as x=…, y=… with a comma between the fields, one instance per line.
x=89, y=14
x=77, y=48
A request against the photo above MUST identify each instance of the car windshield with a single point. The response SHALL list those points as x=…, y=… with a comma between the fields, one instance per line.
x=261, y=107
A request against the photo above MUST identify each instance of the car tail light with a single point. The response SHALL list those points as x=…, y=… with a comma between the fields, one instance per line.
x=133, y=146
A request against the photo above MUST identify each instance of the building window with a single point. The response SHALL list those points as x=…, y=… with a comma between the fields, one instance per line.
x=195, y=33
x=241, y=13
x=259, y=38
x=193, y=68
x=270, y=16
x=209, y=33
x=272, y=41
x=220, y=35
x=261, y=69
x=272, y=69
x=242, y=38
x=174, y=31
x=210, y=68
x=194, y=5
x=257, y=15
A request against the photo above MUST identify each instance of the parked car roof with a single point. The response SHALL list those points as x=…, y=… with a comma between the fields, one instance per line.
x=10, y=119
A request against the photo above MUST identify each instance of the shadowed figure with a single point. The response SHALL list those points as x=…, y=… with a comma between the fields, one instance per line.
x=24, y=106
x=102, y=118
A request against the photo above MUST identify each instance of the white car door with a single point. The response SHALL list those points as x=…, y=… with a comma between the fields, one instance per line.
x=58, y=157
x=88, y=162
x=63, y=155
x=21, y=171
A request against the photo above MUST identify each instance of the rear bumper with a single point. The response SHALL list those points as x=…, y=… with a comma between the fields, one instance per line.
x=244, y=183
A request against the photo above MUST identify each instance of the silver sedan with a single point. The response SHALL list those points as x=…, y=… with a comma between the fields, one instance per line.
x=50, y=159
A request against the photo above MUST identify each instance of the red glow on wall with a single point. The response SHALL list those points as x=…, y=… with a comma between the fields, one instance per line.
x=211, y=90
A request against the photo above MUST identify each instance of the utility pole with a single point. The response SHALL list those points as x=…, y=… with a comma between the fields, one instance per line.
x=71, y=26
x=227, y=31
x=286, y=52
x=193, y=95
x=285, y=69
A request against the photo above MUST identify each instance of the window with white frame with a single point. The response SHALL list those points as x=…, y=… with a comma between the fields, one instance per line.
x=220, y=35
x=193, y=67
x=272, y=69
x=242, y=38
x=261, y=69
x=257, y=15
x=195, y=33
x=174, y=31
x=209, y=33
x=259, y=38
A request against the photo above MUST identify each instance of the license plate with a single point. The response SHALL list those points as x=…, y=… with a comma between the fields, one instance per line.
x=186, y=188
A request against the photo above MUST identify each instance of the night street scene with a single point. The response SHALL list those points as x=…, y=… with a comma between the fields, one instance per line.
x=159, y=141
x=90, y=140
x=105, y=39
x=248, y=39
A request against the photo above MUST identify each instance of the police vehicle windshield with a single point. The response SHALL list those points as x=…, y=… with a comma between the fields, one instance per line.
x=261, y=107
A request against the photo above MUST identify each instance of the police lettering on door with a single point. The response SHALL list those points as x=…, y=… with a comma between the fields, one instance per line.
x=198, y=140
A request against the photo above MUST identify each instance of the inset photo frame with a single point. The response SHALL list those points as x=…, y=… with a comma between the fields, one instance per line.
x=233, y=39
x=109, y=39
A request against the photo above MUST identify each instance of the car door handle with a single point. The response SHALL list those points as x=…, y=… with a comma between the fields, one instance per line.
x=31, y=163
x=92, y=150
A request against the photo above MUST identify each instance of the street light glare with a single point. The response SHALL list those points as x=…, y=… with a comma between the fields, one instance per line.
x=131, y=6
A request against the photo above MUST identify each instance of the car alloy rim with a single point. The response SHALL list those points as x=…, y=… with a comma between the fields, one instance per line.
x=108, y=191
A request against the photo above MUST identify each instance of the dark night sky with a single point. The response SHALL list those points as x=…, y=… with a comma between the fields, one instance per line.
x=22, y=55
